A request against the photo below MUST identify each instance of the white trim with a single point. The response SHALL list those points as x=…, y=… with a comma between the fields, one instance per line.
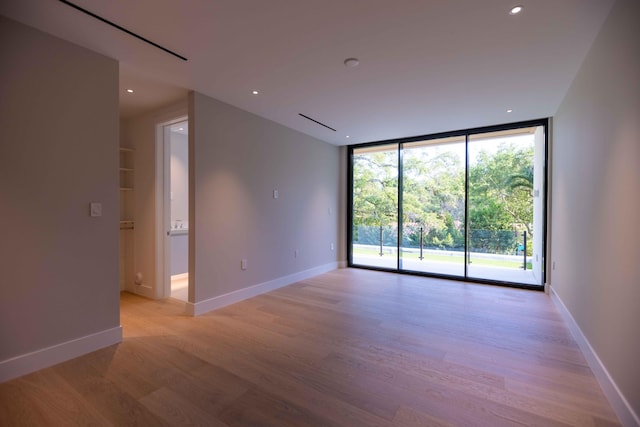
x=43, y=358
x=144, y=290
x=198, y=308
x=162, y=288
x=620, y=405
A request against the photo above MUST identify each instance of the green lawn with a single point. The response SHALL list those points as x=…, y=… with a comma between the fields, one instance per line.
x=458, y=259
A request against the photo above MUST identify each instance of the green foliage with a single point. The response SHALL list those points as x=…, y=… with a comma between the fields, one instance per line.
x=500, y=197
x=375, y=188
x=496, y=183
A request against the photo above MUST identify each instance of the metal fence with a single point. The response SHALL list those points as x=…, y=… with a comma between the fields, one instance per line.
x=482, y=241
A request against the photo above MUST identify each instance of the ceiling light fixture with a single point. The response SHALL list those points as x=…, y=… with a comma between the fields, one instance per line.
x=254, y=92
x=509, y=110
x=130, y=90
x=516, y=10
x=180, y=128
x=351, y=62
x=347, y=136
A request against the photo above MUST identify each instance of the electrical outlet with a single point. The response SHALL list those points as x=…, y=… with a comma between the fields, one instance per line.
x=295, y=253
x=244, y=264
x=275, y=194
x=332, y=246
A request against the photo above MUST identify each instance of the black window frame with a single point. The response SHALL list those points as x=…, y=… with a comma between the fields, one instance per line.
x=544, y=122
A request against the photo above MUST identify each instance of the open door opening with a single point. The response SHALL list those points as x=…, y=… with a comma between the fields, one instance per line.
x=173, y=209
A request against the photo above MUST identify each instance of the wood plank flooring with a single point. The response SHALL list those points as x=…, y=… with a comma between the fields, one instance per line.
x=348, y=348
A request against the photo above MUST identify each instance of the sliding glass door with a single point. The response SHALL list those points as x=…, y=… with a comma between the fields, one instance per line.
x=375, y=206
x=506, y=195
x=433, y=202
x=471, y=205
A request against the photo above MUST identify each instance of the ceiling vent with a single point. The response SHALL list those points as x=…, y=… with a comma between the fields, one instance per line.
x=114, y=25
x=315, y=121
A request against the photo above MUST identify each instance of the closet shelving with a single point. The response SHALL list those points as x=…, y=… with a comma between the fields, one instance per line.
x=126, y=188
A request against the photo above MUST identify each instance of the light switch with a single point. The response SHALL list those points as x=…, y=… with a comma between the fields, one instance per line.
x=275, y=194
x=244, y=264
x=95, y=208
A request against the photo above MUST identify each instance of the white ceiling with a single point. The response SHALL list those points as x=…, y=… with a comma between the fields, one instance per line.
x=426, y=66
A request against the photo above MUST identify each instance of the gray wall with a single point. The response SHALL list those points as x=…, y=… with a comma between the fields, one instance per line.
x=179, y=164
x=237, y=160
x=179, y=202
x=58, y=153
x=596, y=198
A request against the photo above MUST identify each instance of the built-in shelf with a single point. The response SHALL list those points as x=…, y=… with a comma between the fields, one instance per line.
x=127, y=232
x=126, y=186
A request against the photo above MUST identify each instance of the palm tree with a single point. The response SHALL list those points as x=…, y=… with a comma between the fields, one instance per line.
x=522, y=181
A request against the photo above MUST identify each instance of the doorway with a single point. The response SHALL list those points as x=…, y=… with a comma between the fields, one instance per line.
x=173, y=212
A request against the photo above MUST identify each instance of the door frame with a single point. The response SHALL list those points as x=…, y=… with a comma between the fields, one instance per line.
x=163, y=206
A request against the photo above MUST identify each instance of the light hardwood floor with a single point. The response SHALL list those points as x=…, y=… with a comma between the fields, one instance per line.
x=348, y=348
x=180, y=287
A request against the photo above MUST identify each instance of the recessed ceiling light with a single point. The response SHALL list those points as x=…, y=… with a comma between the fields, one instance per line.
x=509, y=110
x=516, y=10
x=351, y=62
x=130, y=90
x=180, y=128
x=347, y=136
x=255, y=92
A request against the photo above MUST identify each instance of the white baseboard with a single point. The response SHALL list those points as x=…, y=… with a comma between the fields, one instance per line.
x=620, y=405
x=198, y=308
x=144, y=290
x=40, y=359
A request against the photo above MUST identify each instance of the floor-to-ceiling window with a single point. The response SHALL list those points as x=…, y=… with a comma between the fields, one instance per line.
x=433, y=205
x=470, y=204
x=375, y=206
